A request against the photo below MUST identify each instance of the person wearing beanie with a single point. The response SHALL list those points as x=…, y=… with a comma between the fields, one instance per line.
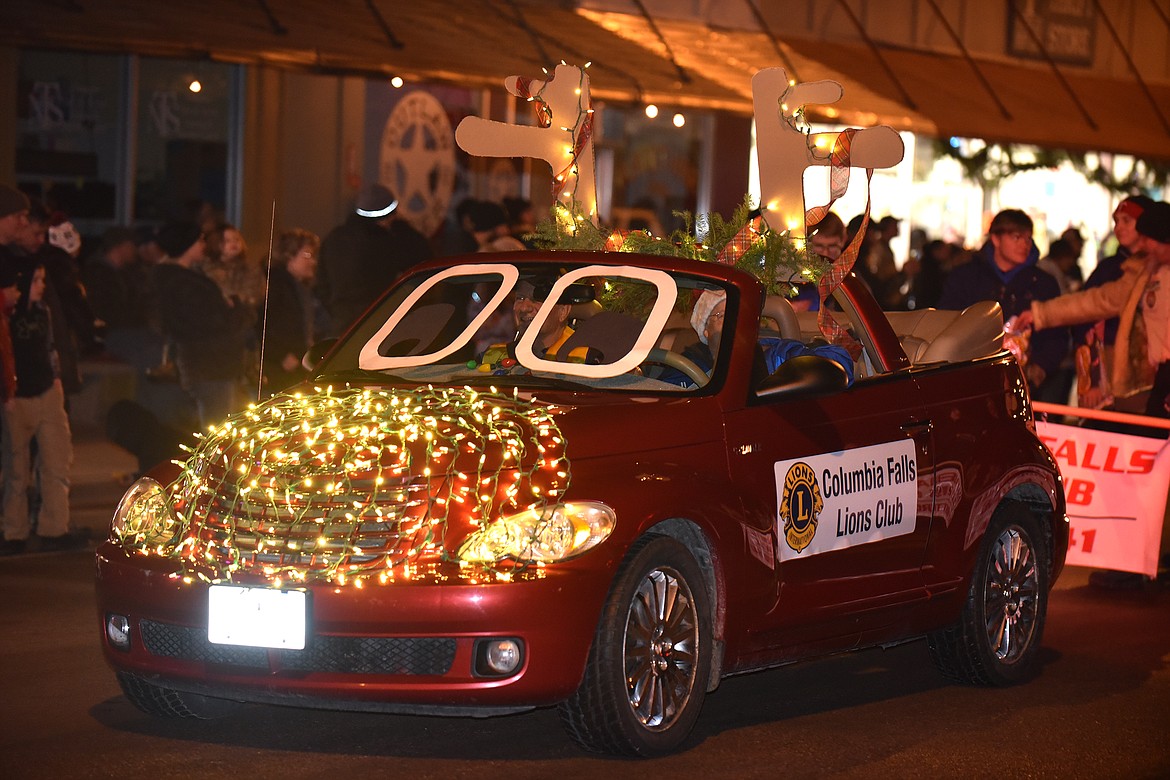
x=361, y=257
x=1125, y=218
x=65, y=297
x=1140, y=299
x=13, y=213
x=206, y=330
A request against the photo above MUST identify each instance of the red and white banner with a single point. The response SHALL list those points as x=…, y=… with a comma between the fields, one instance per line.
x=1115, y=485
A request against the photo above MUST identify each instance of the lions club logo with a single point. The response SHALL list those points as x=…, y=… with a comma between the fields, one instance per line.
x=801, y=504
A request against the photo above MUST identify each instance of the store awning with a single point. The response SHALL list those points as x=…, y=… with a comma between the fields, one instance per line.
x=478, y=43
x=1022, y=104
x=473, y=44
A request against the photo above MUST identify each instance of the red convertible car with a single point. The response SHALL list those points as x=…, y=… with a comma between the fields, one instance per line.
x=596, y=481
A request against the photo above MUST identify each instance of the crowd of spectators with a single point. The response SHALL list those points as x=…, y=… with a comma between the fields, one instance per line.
x=1070, y=359
x=206, y=324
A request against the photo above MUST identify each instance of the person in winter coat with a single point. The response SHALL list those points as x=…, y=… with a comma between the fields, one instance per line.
x=1140, y=299
x=293, y=318
x=207, y=330
x=1004, y=270
x=36, y=413
x=360, y=258
x=73, y=318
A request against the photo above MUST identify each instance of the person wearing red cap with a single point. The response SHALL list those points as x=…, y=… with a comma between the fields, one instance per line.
x=1125, y=218
x=1141, y=301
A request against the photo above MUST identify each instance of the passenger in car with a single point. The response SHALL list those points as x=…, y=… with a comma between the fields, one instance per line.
x=707, y=319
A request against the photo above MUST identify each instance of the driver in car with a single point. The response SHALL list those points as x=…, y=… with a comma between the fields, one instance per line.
x=554, y=331
x=707, y=320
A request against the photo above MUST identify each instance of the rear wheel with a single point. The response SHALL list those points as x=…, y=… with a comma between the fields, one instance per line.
x=168, y=703
x=647, y=673
x=998, y=636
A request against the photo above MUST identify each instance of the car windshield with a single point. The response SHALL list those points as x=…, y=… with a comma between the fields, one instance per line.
x=535, y=325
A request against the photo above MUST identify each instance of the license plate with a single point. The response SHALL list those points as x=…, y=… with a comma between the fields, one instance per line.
x=256, y=617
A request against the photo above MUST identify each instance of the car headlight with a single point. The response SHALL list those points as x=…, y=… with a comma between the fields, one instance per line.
x=551, y=533
x=144, y=516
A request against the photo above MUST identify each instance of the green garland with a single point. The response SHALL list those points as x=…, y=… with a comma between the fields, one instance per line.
x=773, y=258
x=992, y=164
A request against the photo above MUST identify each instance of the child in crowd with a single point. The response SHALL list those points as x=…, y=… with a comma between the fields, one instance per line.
x=37, y=412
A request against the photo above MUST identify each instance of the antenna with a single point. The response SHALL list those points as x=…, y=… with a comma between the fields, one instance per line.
x=264, y=322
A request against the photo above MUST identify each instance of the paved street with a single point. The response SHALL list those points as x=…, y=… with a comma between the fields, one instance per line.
x=1098, y=710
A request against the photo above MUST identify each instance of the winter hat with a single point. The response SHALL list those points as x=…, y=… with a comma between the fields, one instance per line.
x=702, y=311
x=376, y=202
x=1155, y=222
x=175, y=238
x=1134, y=205
x=12, y=200
x=64, y=235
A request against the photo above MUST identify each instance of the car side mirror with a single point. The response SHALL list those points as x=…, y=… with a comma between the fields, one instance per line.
x=316, y=354
x=804, y=376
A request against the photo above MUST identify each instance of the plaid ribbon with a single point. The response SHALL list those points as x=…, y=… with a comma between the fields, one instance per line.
x=831, y=280
x=582, y=132
x=543, y=112
x=740, y=242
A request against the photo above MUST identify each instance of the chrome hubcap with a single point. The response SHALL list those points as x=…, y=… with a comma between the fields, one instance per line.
x=662, y=634
x=1010, y=602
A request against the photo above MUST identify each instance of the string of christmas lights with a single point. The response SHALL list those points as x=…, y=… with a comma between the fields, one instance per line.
x=579, y=133
x=356, y=485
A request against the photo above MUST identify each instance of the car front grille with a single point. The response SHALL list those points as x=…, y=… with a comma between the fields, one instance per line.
x=333, y=654
x=356, y=484
x=311, y=532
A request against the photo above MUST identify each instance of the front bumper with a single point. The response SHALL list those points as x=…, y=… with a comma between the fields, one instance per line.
x=399, y=647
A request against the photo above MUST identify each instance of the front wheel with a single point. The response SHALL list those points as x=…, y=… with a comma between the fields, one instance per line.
x=997, y=638
x=647, y=672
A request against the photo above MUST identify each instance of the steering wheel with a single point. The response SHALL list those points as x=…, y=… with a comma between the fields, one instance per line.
x=664, y=357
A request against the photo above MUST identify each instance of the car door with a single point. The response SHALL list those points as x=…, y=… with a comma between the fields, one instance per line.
x=841, y=483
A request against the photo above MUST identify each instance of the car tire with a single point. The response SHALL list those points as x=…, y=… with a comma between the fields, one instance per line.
x=647, y=673
x=997, y=638
x=168, y=703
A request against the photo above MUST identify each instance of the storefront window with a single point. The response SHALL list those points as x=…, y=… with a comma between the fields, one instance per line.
x=69, y=133
x=184, y=125
x=74, y=137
